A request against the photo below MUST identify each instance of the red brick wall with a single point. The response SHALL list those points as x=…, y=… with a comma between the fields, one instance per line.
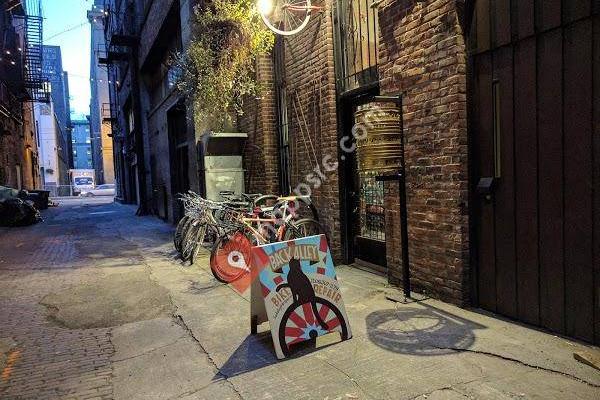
x=422, y=54
x=311, y=108
x=310, y=77
x=261, y=158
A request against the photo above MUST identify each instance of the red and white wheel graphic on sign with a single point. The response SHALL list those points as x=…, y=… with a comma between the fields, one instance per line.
x=300, y=324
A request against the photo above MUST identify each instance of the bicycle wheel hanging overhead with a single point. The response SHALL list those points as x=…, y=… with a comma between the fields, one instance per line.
x=286, y=17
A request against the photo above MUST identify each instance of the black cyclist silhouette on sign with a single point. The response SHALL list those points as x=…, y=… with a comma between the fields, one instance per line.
x=302, y=290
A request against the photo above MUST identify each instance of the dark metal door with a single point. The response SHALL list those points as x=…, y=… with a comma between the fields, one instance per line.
x=535, y=82
x=179, y=162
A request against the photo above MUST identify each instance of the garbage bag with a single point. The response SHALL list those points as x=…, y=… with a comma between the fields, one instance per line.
x=8, y=193
x=16, y=212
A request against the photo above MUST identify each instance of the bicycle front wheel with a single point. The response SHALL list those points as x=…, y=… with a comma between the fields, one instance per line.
x=190, y=241
x=179, y=232
x=206, y=238
x=285, y=17
x=230, y=257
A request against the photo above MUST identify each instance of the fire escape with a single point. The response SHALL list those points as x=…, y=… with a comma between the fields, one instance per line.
x=34, y=81
x=119, y=24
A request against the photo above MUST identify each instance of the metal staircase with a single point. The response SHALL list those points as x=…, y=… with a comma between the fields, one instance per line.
x=33, y=77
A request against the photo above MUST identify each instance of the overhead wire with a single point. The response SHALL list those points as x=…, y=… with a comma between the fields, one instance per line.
x=72, y=28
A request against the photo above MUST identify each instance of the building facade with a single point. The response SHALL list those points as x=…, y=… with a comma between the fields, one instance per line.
x=20, y=84
x=58, y=82
x=485, y=113
x=102, y=143
x=54, y=164
x=82, y=145
x=155, y=140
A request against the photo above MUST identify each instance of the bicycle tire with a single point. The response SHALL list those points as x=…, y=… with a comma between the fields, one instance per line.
x=190, y=242
x=177, y=237
x=302, y=228
x=225, y=273
x=208, y=232
x=258, y=202
x=184, y=233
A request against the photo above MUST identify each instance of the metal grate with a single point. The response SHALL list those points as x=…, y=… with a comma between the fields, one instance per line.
x=33, y=74
x=372, y=206
x=357, y=40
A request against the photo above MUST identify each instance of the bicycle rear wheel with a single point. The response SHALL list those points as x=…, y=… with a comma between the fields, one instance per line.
x=302, y=228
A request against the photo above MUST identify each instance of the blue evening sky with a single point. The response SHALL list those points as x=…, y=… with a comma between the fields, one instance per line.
x=61, y=15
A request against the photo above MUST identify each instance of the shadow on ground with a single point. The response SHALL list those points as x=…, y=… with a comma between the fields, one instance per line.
x=254, y=353
x=424, y=330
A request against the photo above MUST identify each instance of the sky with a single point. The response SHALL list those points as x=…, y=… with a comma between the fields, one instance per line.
x=59, y=16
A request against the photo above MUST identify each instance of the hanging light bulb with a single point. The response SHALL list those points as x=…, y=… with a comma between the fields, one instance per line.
x=265, y=7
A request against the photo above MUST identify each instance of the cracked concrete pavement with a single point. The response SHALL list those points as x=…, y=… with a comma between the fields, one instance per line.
x=94, y=304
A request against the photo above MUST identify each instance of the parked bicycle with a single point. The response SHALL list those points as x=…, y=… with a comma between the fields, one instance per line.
x=230, y=228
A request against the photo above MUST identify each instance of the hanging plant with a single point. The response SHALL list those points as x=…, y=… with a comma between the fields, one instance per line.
x=218, y=67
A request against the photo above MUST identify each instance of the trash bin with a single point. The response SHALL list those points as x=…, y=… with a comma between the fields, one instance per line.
x=222, y=160
x=40, y=198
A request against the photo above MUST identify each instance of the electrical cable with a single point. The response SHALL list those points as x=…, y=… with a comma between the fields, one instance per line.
x=72, y=28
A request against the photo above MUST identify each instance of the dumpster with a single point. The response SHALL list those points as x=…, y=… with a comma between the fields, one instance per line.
x=40, y=198
x=222, y=159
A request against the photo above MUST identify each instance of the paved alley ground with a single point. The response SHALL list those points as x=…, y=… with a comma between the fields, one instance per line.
x=94, y=304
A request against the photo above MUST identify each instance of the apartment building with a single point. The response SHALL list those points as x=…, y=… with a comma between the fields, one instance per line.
x=21, y=84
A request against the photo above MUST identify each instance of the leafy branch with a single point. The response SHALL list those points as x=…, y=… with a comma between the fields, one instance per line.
x=218, y=67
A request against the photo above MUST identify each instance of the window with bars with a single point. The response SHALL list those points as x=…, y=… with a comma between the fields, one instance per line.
x=372, y=206
x=357, y=40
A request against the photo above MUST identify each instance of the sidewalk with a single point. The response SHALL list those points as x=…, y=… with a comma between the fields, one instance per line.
x=101, y=308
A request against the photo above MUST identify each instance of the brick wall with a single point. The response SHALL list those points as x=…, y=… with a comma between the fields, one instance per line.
x=156, y=122
x=311, y=108
x=152, y=22
x=422, y=54
x=11, y=151
x=261, y=157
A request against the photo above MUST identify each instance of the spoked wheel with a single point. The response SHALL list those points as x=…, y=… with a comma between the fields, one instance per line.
x=302, y=228
x=285, y=17
x=210, y=235
x=297, y=208
x=267, y=200
x=230, y=257
x=299, y=323
x=196, y=230
x=179, y=232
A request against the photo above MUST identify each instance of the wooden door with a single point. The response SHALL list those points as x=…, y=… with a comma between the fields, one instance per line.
x=535, y=83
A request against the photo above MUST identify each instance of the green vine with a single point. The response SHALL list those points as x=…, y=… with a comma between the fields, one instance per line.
x=218, y=67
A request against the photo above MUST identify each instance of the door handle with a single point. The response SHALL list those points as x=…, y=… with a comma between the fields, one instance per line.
x=485, y=187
